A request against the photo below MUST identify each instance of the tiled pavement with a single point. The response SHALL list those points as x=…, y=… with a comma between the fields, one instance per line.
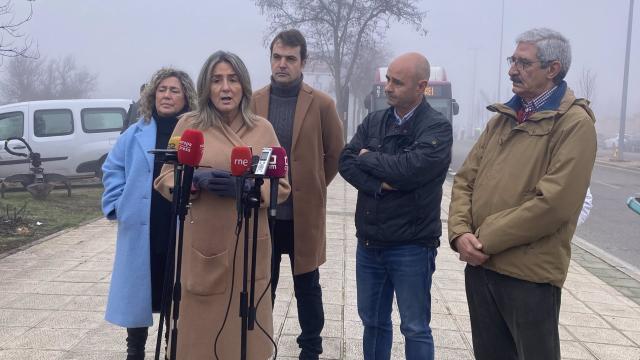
x=52, y=297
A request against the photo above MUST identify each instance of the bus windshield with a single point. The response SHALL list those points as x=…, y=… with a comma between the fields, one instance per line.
x=441, y=105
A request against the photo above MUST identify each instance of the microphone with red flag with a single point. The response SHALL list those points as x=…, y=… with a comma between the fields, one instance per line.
x=191, y=147
x=277, y=169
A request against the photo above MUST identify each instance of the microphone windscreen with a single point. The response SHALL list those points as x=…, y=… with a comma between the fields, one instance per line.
x=174, y=143
x=240, y=160
x=279, y=164
x=191, y=147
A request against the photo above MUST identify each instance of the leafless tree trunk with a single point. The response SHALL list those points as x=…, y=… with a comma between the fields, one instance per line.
x=587, y=84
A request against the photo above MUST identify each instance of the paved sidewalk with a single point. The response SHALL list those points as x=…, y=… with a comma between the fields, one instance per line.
x=52, y=298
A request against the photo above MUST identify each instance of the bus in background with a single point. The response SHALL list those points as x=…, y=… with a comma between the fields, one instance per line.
x=438, y=93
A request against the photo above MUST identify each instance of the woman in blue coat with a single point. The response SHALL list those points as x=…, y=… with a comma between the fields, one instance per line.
x=143, y=215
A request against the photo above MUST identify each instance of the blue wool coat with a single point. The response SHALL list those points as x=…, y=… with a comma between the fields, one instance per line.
x=127, y=179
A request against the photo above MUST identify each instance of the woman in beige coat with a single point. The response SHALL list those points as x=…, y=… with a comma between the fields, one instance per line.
x=212, y=254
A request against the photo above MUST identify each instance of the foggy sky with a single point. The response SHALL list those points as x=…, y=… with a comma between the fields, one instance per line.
x=125, y=41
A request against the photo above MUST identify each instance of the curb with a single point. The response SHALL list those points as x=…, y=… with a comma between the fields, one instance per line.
x=616, y=165
x=621, y=265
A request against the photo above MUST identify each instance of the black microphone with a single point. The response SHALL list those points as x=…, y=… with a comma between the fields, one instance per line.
x=168, y=155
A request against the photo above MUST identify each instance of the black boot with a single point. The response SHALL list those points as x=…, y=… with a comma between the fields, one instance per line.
x=136, y=341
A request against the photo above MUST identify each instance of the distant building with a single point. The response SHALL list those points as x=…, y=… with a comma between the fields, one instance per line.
x=318, y=75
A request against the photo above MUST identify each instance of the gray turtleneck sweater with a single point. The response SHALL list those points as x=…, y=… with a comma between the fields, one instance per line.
x=282, y=108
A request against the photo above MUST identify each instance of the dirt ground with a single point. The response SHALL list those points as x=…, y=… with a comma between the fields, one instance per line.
x=24, y=219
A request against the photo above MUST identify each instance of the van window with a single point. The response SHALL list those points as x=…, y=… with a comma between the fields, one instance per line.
x=54, y=122
x=11, y=125
x=102, y=119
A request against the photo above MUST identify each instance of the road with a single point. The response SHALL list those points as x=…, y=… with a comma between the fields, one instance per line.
x=611, y=226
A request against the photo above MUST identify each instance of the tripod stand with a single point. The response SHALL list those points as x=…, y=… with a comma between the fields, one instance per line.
x=167, y=291
x=250, y=204
x=171, y=296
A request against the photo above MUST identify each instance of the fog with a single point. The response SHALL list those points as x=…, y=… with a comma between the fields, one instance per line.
x=125, y=41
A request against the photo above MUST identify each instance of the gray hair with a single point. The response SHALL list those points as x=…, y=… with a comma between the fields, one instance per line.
x=148, y=96
x=551, y=46
x=207, y=115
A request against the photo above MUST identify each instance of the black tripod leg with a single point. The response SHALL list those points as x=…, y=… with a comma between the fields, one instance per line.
x=244, y=304
x=252, y=288
x=167, y=291
x=166, y=295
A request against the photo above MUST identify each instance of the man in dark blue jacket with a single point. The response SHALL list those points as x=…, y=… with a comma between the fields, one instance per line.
x=398, y=160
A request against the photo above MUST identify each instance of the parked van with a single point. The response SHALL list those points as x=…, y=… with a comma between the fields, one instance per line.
x=73, y=137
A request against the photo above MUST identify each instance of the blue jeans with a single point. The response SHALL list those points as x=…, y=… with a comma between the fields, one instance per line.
x=407, y=270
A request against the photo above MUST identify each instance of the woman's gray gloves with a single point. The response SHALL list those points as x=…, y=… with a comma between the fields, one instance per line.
x=218, y=182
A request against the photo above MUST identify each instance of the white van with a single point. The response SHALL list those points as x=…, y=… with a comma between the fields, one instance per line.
x=73, y=137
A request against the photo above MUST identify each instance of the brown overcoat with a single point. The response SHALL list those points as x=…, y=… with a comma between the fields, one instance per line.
x=315, y=149
x=522, y=186
x=210, y=274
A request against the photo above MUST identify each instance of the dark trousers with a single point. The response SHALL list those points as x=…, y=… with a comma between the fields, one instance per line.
x=307, y=290
x=512, y=319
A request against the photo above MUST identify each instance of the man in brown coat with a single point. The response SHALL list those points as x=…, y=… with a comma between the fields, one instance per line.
x=308, y=127
x=516, y=200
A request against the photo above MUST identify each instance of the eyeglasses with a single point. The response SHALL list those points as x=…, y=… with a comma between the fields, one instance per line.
x=521, y=64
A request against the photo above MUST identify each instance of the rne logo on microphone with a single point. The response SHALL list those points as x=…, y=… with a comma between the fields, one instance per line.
x=241, y=162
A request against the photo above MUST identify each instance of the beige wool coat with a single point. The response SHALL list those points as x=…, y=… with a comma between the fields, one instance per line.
x=315, y=150
x=210, y=271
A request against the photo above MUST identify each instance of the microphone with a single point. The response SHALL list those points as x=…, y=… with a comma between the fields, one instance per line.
x=174, y=141
x=240, y=166
x=191, y=148
x=254, y=163
x=168, y=155
x=240, y=160
x=190, y=151
x=278, y=168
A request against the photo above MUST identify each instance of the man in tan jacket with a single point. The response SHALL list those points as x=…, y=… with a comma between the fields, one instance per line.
x=308, y=127
x=516, y=200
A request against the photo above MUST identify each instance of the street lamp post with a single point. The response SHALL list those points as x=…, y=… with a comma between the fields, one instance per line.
x=625, y=84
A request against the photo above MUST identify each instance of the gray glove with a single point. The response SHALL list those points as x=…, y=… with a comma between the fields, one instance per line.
x=218, y=182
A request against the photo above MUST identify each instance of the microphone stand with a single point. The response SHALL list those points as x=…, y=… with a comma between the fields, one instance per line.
x=169, y=261
x=247, y=309
x=183, y=208
x=254, y=248
x=272, y=231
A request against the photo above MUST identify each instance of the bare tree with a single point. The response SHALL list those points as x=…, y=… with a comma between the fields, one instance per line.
x=587, y=84
x=337, y=30
x=10, y=33
x=373, y=57
x=69, y=80
x=38, y=79
x=22, y=80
